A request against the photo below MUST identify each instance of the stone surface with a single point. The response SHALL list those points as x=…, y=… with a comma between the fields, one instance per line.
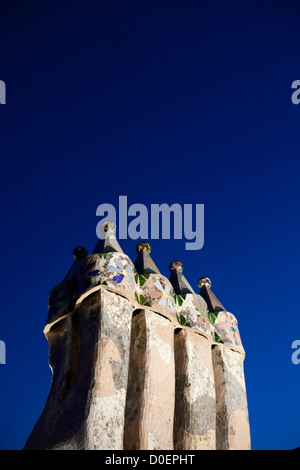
x=86, y=402
x=108, y=242
x=191, y=310
x=151, y=384
x=178, y=280
x=140, y=361
x=226, y=328
x=195, y=416
x=232, y=421
x=144, y=264
x=213, y=304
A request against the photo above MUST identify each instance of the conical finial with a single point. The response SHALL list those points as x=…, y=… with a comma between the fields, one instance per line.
x=144, y=264
x=80, y=252
x=204, y=282
x=73, y=276
x=108, y=242
x=177, y=279
x=176, y=266
x=143, y=246
x=213, y=304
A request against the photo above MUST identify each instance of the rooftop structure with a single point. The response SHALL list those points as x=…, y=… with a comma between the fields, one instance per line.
x=140, y=361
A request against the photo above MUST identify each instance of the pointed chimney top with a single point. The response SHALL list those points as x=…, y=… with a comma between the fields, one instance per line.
x=143, y=246
x=204, y=282
x=177, y=279
x=176, y=266
x=108, y=242
x=80, y=252
x=214, y=305
x=144, y=264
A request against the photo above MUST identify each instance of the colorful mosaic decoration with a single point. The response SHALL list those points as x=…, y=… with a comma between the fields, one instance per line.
x=204, y=282
x=193, y=309
x=122, y=271
x=140, y=345
x=115, y=271
x=141, y=300
x=143, y=246
x=176, y=266
x=141, y=278
x=109, y=226
x=166, y=299
x=227, y=328
x=182, y=320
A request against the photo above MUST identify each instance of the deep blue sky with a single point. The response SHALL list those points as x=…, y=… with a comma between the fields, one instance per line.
x=165, y=102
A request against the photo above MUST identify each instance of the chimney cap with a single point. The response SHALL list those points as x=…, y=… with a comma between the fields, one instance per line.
x=204, y=282
x=176, y=266
x=143, y=246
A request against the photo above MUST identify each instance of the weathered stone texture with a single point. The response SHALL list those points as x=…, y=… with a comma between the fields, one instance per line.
x=195, y=417
x=233, y=430
x=139, y=361
x=89, y=413
x=122, y=379
x=105, y=412
x=151, y=389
